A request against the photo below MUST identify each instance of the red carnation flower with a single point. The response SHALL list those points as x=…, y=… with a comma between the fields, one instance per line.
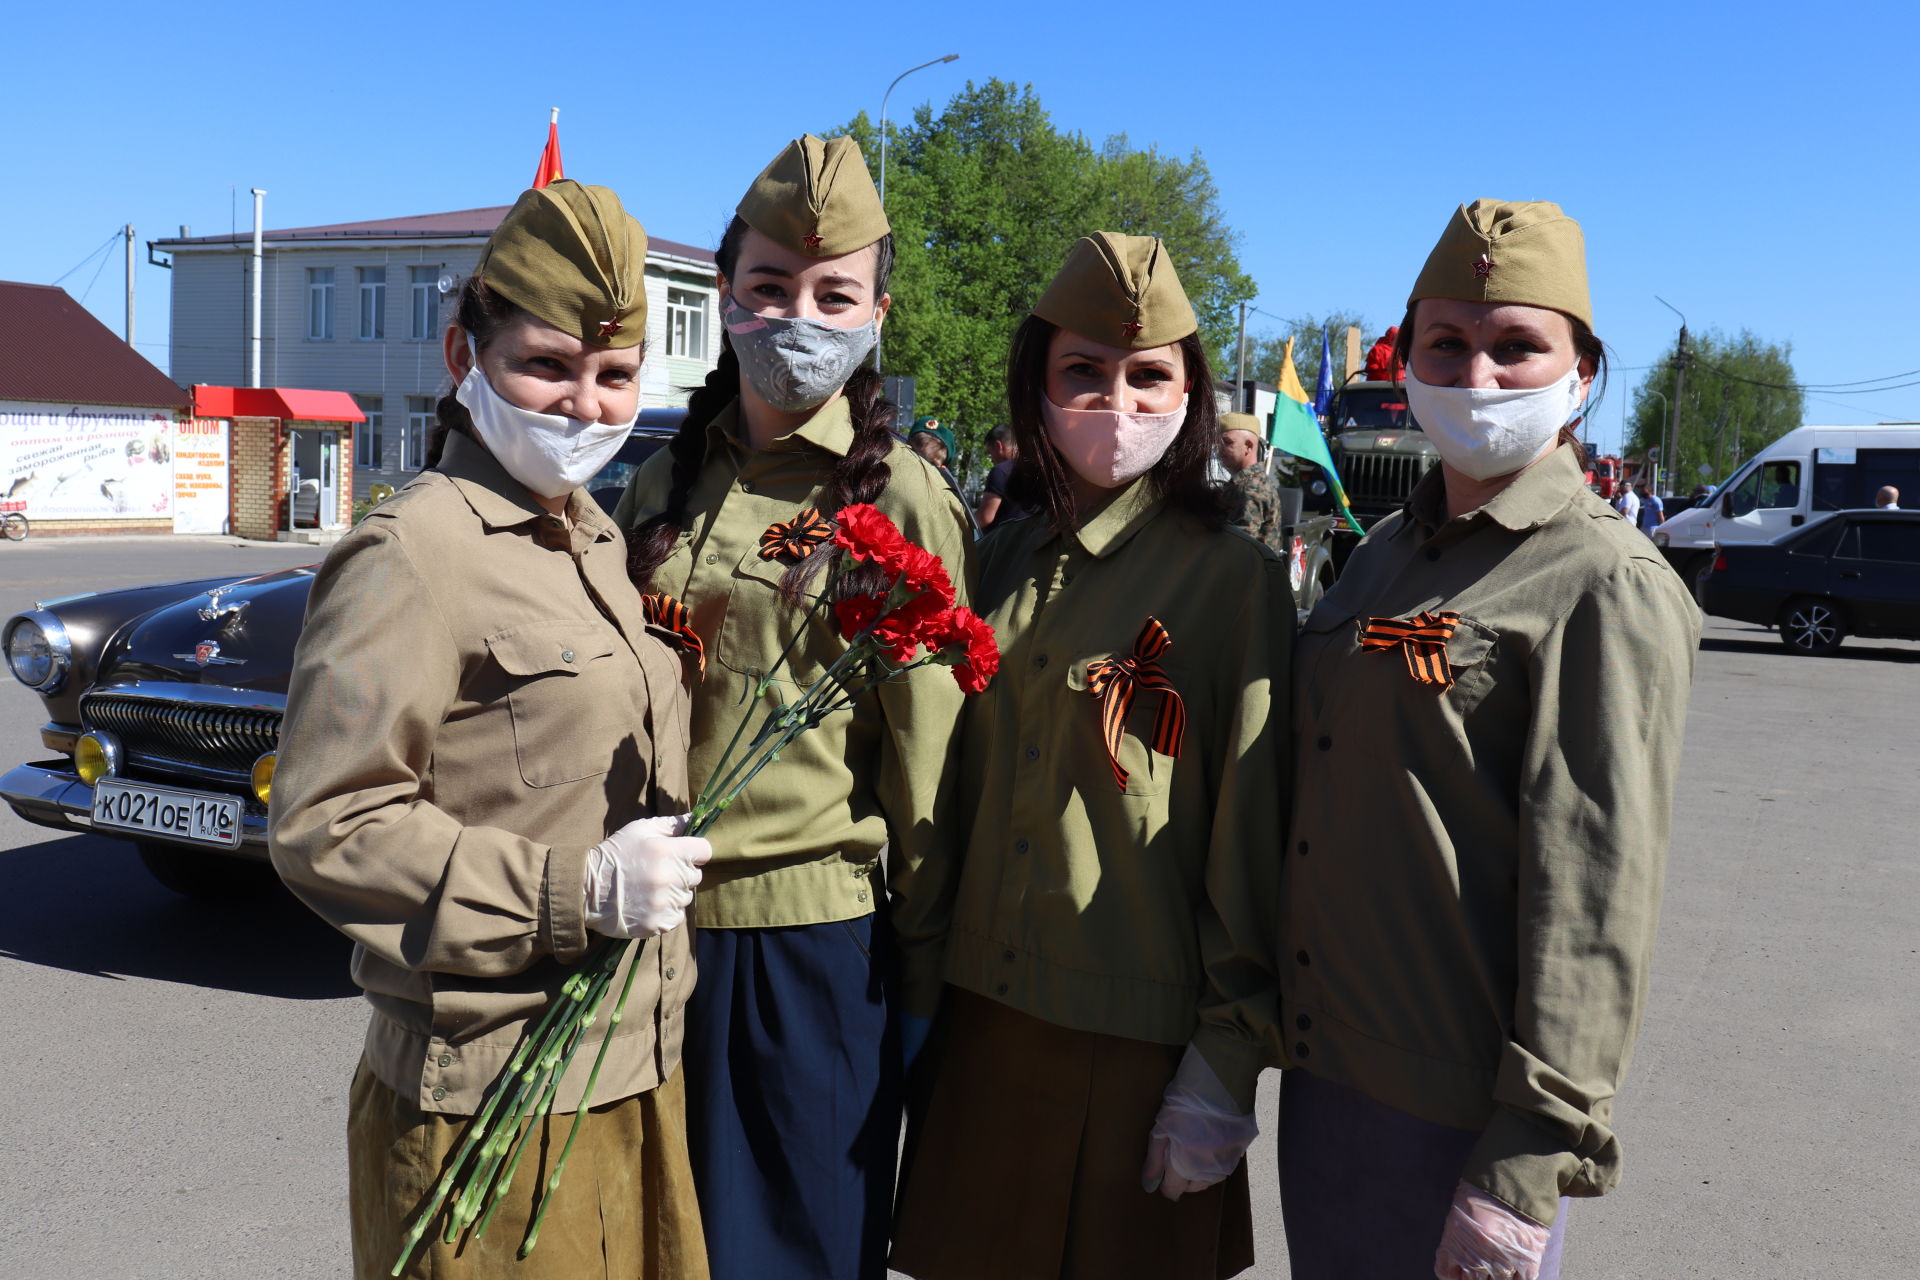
x=921, y=570
x=867, y=534
x=856, y=613
x=920, y=621
x=967, y=642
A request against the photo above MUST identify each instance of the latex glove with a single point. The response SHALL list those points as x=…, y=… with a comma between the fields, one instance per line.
x=913, y=1038
x=640, y=879
x=1200, y=1134
x=1485, y=1240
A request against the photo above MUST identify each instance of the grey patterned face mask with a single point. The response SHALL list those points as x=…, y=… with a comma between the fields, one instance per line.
x=795, y=364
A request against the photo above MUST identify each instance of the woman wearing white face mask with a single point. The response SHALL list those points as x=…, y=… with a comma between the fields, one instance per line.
x=816, y=968
x=481, y=765
x=1092, y=1078
x=1489, y=710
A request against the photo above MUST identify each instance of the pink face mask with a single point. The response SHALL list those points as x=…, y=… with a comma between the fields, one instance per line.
x=1107, y=448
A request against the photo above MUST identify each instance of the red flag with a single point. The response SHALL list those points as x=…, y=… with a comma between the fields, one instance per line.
x=550, y=155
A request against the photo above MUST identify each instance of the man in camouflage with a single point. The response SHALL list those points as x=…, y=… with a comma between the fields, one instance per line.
x=1253, y=492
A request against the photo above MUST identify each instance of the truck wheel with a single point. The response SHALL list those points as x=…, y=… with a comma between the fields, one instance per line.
x=1695, y=576
x=1811, y=625
x=207, y=877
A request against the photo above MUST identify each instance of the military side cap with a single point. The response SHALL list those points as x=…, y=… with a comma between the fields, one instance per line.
x=572, y=256
x=1241, y=422
x=1120, y=290
x=816, y=198
x=1519, y=251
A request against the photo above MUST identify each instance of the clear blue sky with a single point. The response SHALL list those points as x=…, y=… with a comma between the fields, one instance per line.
x=1755, y=164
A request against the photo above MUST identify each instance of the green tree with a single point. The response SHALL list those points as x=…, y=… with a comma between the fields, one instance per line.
x=1740, y=395
x=986, y=197
x=1264, y=349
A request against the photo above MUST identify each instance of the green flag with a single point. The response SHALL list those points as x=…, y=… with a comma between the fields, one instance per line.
x=1296, y=431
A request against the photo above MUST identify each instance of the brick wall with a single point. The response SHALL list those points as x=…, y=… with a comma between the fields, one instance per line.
x=259, y=471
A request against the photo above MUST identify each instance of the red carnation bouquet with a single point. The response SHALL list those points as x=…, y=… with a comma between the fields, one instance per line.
x=911, y=622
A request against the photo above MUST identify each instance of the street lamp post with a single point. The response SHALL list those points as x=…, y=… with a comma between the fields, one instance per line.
x=1654, y=480
x=883, y=156
x=1679, y=385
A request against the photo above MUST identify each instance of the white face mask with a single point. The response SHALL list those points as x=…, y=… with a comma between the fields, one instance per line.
x=1107, y=448
x=549, y=453
x=1483, y=433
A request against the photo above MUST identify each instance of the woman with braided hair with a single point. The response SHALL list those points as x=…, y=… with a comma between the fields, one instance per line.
x=816, y=971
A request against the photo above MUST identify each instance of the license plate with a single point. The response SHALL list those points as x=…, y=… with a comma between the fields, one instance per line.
x=165, y=811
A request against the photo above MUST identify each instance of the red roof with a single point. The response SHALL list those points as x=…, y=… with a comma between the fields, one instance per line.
x=54, y=350
x=275, y=402
x=475, y=224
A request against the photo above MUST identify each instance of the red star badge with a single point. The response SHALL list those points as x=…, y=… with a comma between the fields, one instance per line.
x=1131, y=329
x=1484, y=267
x=812, y=242
x=608, y=328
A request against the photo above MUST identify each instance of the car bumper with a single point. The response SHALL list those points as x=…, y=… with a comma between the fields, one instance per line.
x=1740, y=603
x=52, y=795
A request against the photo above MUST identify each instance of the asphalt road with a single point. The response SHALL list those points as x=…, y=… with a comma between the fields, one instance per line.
x=177, y=1074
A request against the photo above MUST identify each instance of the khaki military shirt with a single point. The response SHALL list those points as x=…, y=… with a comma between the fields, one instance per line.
x=1131, y=911
x=475, y=702
x=1473, y=877
x=1253, y=505
x=802, y=845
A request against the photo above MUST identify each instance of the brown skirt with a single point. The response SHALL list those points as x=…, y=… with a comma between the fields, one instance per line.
x=1024, y=1153
x=625, y=1208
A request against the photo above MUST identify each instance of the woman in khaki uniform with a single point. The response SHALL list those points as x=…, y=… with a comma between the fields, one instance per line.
x=794, y=1036
x=1488, y=713
x=1106, y=959
x=482, y=755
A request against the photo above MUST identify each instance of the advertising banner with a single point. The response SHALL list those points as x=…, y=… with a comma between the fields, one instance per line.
x=88, y=464
x=202, y=475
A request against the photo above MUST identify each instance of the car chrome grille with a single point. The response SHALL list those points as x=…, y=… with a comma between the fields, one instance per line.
x=194, y=735
x=1382, y=478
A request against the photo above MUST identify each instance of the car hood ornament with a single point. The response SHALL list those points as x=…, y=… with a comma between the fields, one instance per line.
x=214, y=611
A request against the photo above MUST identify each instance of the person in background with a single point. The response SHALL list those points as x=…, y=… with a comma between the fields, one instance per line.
x=1652, y=511
x=1088, y=1093
x=1383, y=358
x=1252, y=490
x=1488, y=710
x=482, y=770
x=1627, y=503
x=1888, y=499
x=995, y=506
x=819, y=964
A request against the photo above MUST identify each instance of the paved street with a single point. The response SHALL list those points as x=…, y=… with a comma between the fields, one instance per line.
x=177, y=1073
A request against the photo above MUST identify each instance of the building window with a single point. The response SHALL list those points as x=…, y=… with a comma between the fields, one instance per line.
x=420, y=420
x=366, y=437
x=424, y=283
x=373, y=302
x=319, y=302
x=687, y=324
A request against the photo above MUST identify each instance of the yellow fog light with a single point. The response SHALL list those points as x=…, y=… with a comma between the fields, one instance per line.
x=95, y=756
x=262, y=778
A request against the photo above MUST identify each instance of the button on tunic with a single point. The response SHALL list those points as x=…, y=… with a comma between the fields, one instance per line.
x=1471, y=905
x=1139, y=912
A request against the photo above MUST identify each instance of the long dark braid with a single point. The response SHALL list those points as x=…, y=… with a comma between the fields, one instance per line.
x=860, y=476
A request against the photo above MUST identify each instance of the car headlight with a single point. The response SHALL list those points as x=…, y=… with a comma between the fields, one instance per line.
x=95, y=756
x=262, y=777
x=38, y=651
x=1659, y=539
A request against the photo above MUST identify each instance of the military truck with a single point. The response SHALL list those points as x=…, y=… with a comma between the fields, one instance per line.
x=1379, y=449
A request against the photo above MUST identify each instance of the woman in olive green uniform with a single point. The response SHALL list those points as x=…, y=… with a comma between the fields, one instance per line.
x=794, y=1060
x=1488, y=713
x=482, y=762
x=1100, y=1037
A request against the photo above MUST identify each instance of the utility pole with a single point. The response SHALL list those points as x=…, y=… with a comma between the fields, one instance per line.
x=1670, y=454
x=129, y=234
x=253, y=337
x=1241, y=395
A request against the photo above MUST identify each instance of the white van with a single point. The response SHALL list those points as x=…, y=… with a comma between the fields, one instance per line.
x=1805, y=473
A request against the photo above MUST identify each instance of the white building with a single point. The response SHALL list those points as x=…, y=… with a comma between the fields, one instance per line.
x=360, y=306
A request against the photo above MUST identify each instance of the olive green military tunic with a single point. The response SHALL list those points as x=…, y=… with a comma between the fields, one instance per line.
x=1473, y=875
x=1141, y=909
x=802, y=845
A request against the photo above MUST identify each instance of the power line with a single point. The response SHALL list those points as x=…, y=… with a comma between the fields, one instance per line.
x=1803, y=388
x=90, y=257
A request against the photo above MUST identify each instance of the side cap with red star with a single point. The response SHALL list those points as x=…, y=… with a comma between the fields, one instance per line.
x=816, y=198
x=1121, y=291
x=1514, y=251
x=572, y=256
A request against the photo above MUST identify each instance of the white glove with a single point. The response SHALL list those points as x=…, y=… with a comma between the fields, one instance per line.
x=1200, y=1134
x=1485, y=1240
x=640, y=879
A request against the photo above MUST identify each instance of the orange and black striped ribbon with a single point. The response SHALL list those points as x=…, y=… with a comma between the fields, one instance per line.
x=1423, y=637
x=669, y=615
x=1116, y=681
x=793, y=540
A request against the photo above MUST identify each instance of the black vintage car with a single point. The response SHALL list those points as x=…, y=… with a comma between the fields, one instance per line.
x=1853, y=573
x=164, y=705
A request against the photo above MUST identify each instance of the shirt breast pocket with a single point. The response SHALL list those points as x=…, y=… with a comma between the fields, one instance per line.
x=1471, y=655
x=1149, y=768
x=567, y=694
x=759, y=624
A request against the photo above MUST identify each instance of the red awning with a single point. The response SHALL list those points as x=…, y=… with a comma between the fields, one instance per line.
x=275, y=402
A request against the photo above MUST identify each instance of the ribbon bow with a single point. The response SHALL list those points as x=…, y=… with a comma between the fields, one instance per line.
x=1424, y=638
x=1116, y=681
x=792, y=540
x=667, y=614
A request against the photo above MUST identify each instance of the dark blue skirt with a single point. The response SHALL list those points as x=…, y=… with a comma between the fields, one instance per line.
x=1365, y=1188
x=793, y=1099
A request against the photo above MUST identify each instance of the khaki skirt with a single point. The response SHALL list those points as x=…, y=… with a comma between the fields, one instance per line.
x=1023, y=1160
x=625, y=1207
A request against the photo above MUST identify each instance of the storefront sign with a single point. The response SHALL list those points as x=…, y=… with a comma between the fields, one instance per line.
x=88, y=463
x=201, y=476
